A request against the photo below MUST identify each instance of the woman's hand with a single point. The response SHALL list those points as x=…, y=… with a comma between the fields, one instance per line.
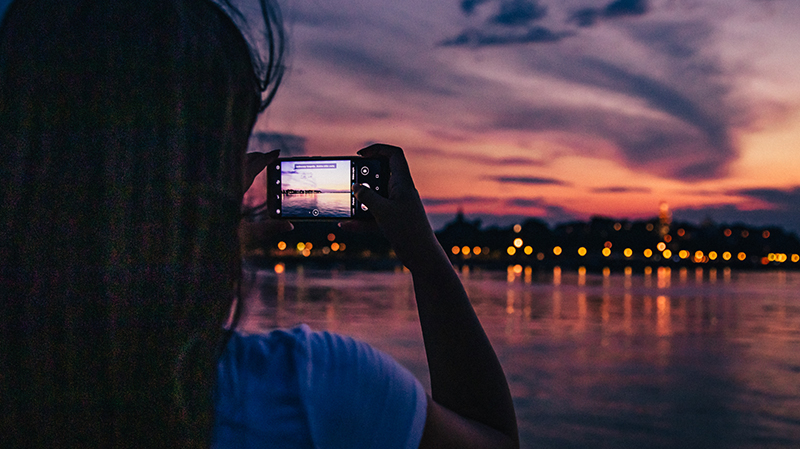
x=254, y=163
x=401, y=216
x=260, y=231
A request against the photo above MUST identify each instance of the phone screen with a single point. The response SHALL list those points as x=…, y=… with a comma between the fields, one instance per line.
x=322, y=188
x=316, y=188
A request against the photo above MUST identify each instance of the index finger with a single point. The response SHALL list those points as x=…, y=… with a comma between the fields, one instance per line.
x=254, y=164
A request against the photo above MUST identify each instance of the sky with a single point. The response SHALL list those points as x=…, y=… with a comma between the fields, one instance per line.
x=333, y=176
x=560, y=110
x=556, y=109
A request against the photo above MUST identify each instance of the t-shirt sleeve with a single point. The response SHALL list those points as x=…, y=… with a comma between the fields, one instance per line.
x=356, y=396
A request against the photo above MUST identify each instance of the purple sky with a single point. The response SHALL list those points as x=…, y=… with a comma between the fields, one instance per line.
x=557, y=109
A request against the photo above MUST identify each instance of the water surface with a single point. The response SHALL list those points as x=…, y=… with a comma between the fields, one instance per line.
x=326, y=204
x=671, y=359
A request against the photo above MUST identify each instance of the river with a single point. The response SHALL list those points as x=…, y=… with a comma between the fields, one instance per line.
x=665, y=359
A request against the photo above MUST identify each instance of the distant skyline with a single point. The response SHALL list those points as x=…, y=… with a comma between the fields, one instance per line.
x=558, y=109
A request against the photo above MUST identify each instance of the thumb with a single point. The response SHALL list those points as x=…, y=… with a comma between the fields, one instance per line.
x=372, y=200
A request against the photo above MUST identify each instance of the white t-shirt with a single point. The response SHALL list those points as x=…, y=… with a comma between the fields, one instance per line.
x=301, y=389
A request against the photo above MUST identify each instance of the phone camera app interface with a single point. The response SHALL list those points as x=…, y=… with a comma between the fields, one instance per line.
x=316, y=189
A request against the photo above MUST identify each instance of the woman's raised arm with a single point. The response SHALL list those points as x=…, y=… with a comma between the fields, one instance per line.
x=471, y=406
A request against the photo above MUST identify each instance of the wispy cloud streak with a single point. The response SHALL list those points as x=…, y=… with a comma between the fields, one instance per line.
x=530, y=180
x=586, y=17
x=479, y=159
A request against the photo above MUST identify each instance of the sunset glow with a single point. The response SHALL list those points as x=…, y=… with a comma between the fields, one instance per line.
x=693, y=103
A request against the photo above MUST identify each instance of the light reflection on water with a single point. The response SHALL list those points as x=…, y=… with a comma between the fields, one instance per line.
x=666, y=359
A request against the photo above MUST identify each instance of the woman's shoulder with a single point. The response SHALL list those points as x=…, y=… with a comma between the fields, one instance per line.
x=350, y=391
x=300, y=337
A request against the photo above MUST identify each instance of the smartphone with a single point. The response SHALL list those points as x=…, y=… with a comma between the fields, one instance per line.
x=321, y=188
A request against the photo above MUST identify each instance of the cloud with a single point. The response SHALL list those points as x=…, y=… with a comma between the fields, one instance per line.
x=509, y=12
x=678, y=40
x=533, y=180
x=784, y=200
x=378, y=68
x=478, y=38
x=522, y=14
x=670, y=149
x=663, y=97
x=660, y=98
x=512, y=23
x=687, y=139
x=730, y=214
x=479, y=159
x=621, y=189
x=518, y=202
x=439, y=220
x=586, y=17
x=518, y=12
x=779, y=208
x=625, y=8
x=459, y=201
x=552, y=213
x=689, y=112
x=468, y=6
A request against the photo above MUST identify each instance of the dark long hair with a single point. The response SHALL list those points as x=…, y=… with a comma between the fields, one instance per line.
x=123, y=126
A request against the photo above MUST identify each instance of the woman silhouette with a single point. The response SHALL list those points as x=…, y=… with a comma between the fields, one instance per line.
x=123, y=131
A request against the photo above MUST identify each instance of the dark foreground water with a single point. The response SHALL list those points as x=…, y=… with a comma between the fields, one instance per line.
x=674, y=359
